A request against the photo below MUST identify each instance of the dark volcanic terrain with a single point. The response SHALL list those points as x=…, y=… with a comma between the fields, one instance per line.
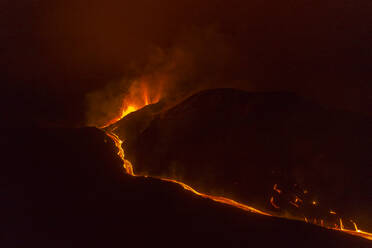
x=239, y=144
x=67, y=188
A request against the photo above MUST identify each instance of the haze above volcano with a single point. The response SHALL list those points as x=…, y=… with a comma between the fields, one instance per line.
x=64, y=59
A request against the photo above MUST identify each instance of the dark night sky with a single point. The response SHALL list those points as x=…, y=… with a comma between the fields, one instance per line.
x=55, y=53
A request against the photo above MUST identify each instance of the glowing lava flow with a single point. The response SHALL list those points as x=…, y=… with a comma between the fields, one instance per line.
x=358, y=233
x=219, y=198
x=129, y=169
x=127, y=165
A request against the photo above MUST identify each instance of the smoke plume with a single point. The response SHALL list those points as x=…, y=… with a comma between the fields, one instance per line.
x=79, y=59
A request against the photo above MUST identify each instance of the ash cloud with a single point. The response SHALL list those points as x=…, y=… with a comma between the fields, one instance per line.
x=197, y=60
x=77, y=58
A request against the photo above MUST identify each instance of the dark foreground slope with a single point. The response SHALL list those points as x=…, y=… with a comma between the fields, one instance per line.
x=241, y=144
x=67, y=188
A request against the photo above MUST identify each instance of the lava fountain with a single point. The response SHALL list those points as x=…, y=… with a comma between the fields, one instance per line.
x=138, y=97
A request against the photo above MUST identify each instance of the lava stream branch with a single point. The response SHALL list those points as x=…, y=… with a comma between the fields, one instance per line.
x=118, y=142
x=219, y=198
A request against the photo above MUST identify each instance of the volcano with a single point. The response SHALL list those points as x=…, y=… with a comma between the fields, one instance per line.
x=186, y=123
x=68, y=187
x=274, y=151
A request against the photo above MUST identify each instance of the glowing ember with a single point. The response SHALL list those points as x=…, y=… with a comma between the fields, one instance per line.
x=355, y=226
x=273, y=203
x=277, y=189
x=296, y=202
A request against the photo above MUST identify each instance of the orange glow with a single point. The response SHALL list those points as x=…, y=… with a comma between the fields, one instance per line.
x=297, y=201
x=273, y=203
x=277, y=189
x=294, y=204
x=128, y=110
x=138, y=97
x=219, y=198
x=341, y=225
x=357, y=232
x=332, y=212
x=355, y=226
x=127, y=165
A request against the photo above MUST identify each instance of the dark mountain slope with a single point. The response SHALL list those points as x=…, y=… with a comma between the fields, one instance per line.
x=239, y=144
x=67, y=188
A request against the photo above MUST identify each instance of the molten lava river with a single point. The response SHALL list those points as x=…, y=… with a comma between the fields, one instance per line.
x=129, y=169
